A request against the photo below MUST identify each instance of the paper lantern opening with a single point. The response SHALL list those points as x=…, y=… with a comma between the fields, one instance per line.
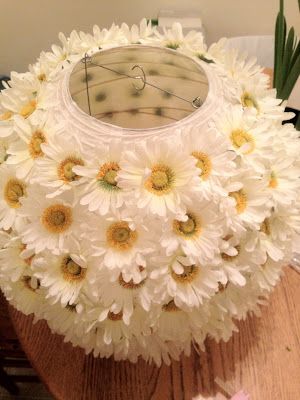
x=107, y=90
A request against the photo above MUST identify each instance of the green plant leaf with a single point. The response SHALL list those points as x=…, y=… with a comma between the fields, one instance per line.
x=286, y=90
x=296, y=53
x=281, y=48
x=280, y=35
x=297, y=126
x=288, y=52
x=276, y=57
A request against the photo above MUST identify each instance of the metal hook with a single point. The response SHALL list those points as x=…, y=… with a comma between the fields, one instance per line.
x=142, y=78
x=197, y=102
x=86, y=59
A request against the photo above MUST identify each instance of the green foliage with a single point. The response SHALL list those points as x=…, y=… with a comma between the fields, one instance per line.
x=287, y=56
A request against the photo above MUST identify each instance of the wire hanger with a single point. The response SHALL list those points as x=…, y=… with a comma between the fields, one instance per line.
x=195, y=103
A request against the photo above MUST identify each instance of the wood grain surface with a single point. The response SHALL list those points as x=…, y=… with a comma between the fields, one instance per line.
x=263, y=359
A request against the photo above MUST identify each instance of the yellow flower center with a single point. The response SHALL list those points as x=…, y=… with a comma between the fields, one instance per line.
x=249, y=101
x=34, y=145
x=222, y=287
x=189, y=228
x=120, y=236
x=71, y=307
x=71, y=270
x=57, y=218
x=28, y=109
x=160, y=181
x=28, y=260
x=5, y=116
x=27, y=283
x=42, y=77
x=107, y=176
x=240, y=198
x=130, y=284
x=13, y=190
x=239, y=138
x=273, y=182
x=173, y=45
x=115, y=317
x=204, y=163
x=190, y=272
x=229, y=258
x=65, y=169
x=265, y=227
x=170, y=307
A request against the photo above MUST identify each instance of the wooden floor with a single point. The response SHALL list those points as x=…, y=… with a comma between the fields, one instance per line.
x=263, y=359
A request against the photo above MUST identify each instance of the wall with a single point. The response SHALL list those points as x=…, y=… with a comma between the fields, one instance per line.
x=29, y=26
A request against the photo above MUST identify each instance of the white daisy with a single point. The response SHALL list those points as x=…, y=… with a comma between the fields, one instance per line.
x=175, y=39
x=247, y=203
x=287, y=141
x=198, y=232
x=284, y=183
x=239, y=66
x=159, y=181
x=25, y=295
x=173, y=323
x=101, y=38
x=217, y=51
x=55, y=169
x=54, y=224
x=184, y=280
x=268, y=274
x=69, y=52
x=4, y=239
x=122, y=240
x=234, y=261
x=137, y=34
x=100, y=189
x=4, y=145
x=135, y=273
x=220, y=325
x=12, y=191
x=256, y=97
x=65, y=321
x=227, y=303
x=25, y=83
x=214, y=160
x=111, y=325
x=15, y=258
x=6, y=120
x=154, y=349
x=25, y=101
x=250, y=140
x=119, y=294
x=275, y=234
x=24, y=152
x=42, y=70
x=66, y=276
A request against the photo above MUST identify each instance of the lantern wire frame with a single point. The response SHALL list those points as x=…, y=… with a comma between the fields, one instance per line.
x=87, y=60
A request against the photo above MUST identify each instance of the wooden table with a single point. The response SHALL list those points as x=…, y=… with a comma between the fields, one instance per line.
x=263, y=358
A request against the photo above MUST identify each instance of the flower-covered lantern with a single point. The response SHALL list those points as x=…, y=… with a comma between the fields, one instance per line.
x=149, y=191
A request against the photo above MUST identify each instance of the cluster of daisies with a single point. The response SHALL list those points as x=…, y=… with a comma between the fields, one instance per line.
x=145, y=247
